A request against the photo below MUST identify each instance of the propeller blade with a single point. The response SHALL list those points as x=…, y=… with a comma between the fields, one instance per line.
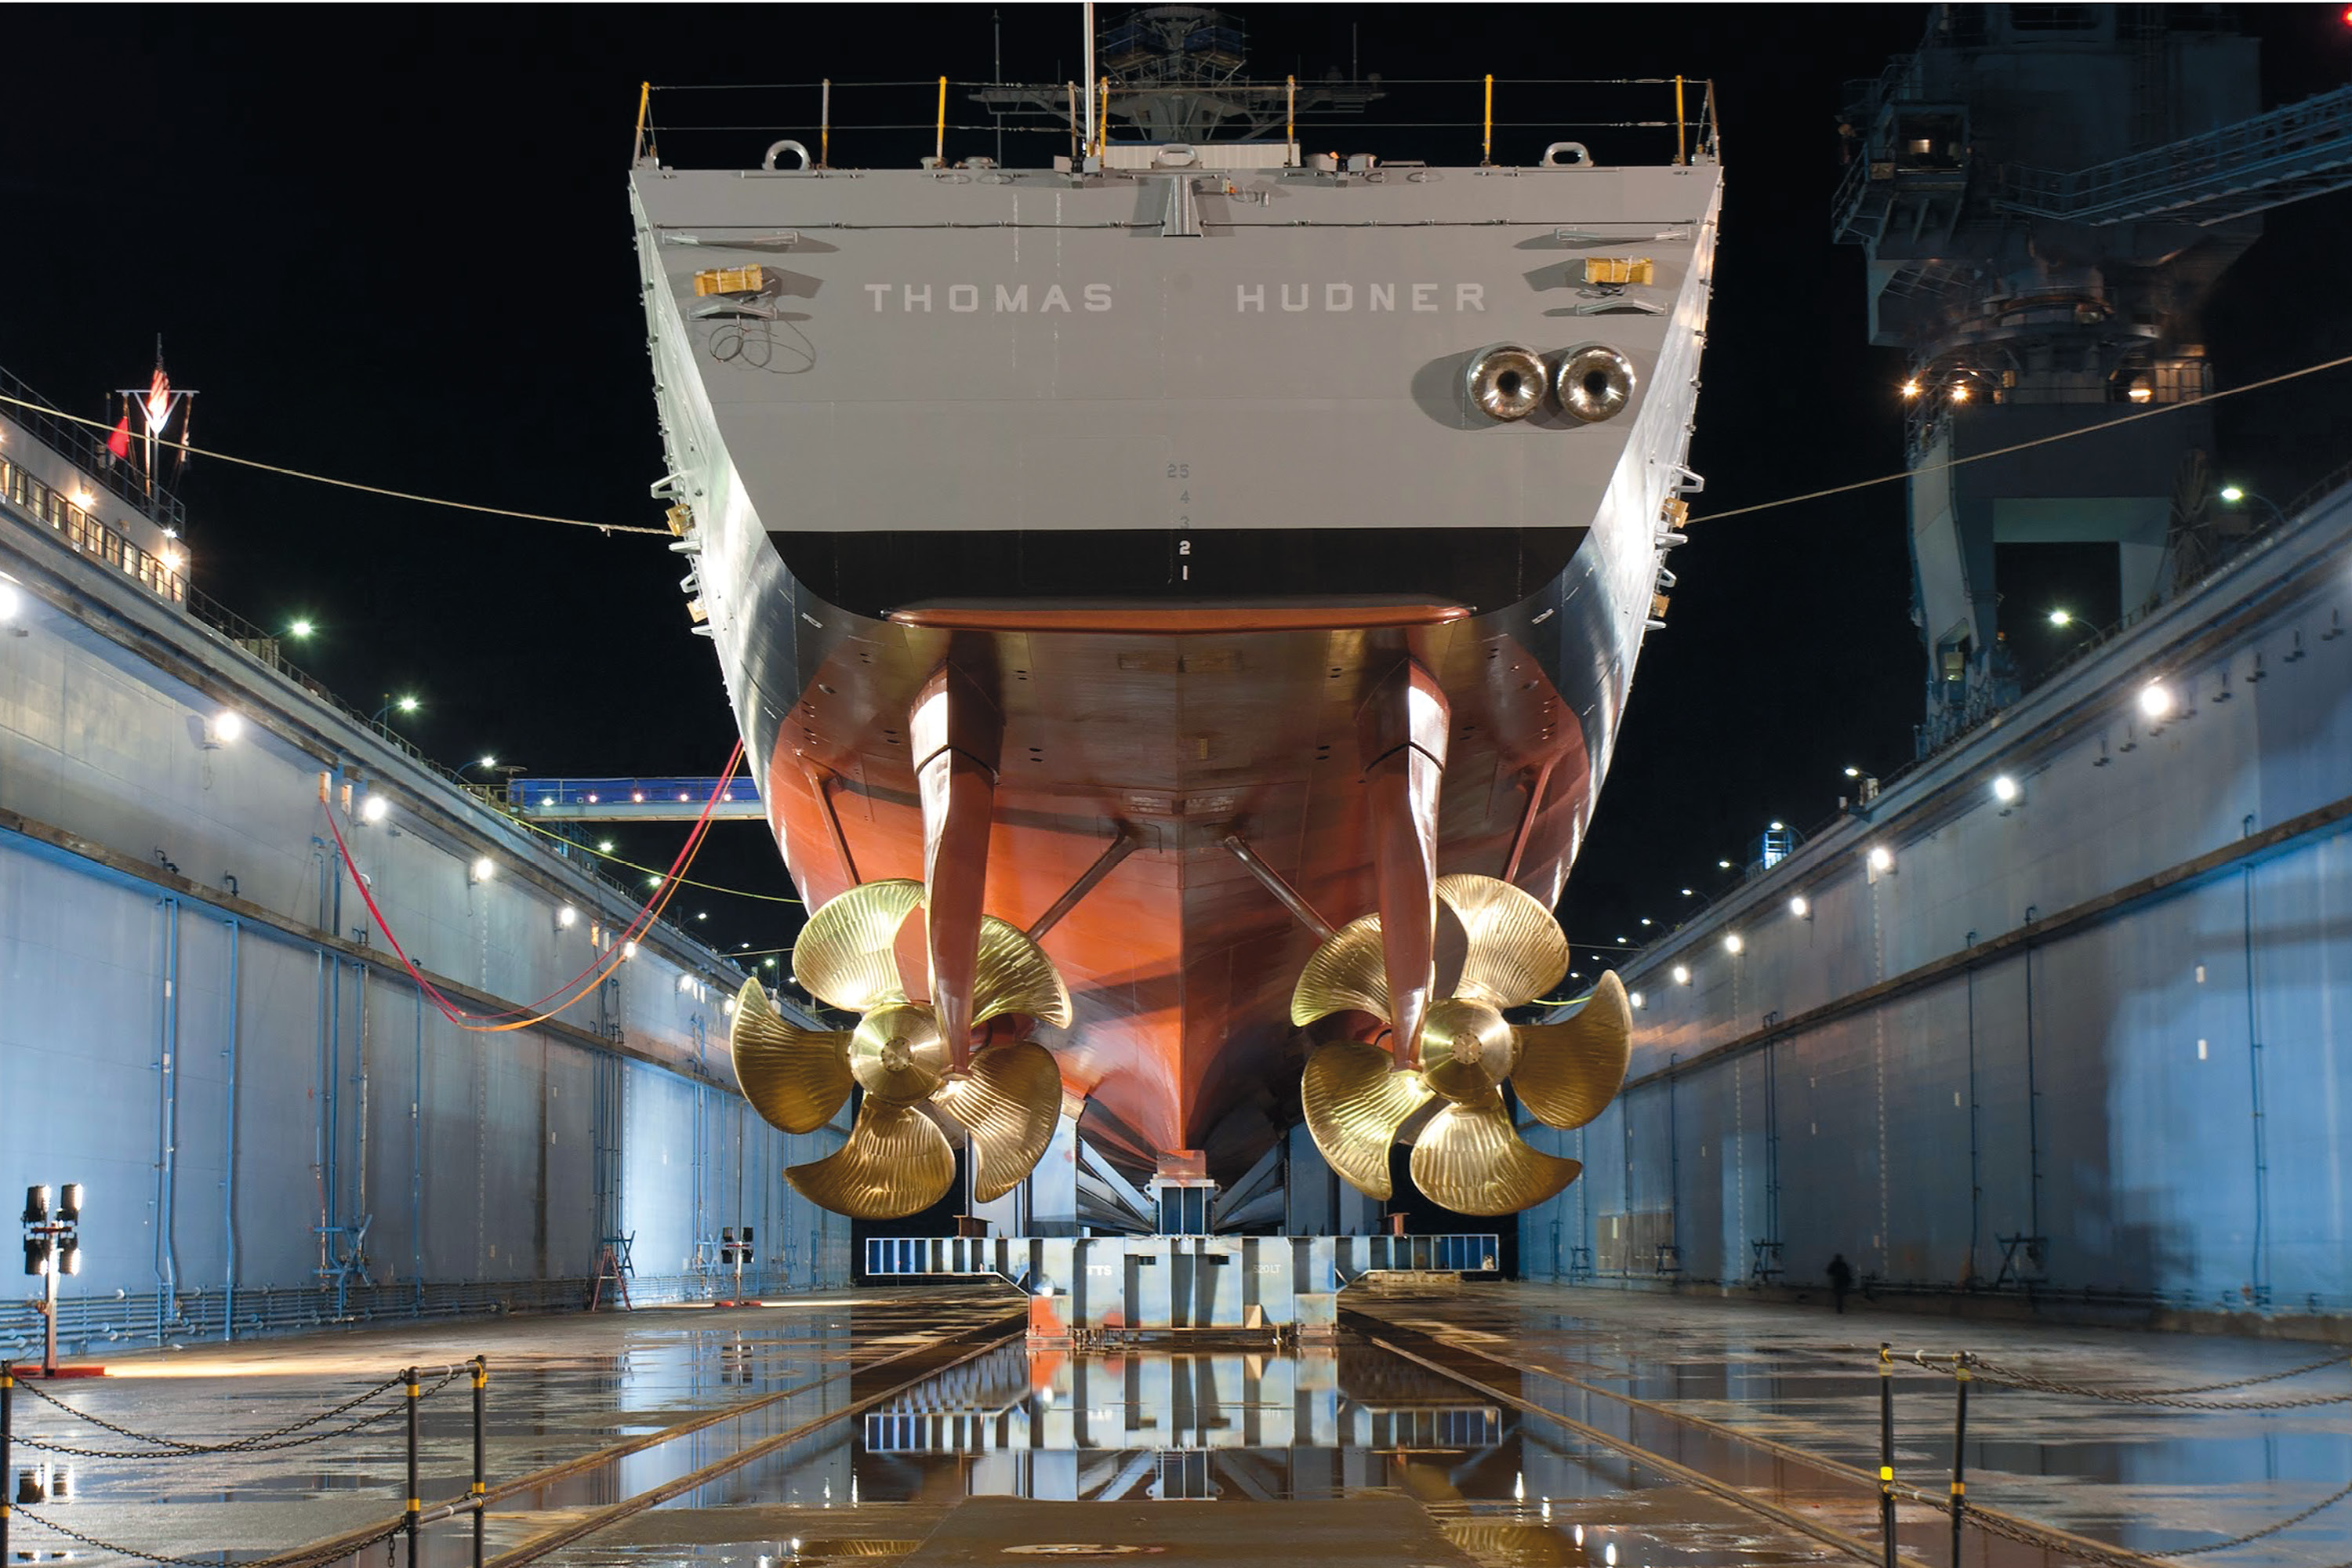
x=1470, y=1160
x=794, y=1078
x=1355, y=1101
x=1010, y=1105
x=845, y=957
x=1346, y=972
x=1016, y=976
x=1568, y=1073
x=895, y=1164
x=1515, y=949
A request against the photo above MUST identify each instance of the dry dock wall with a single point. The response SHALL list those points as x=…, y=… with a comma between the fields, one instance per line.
x=199, y=1022
x=2113, y=1014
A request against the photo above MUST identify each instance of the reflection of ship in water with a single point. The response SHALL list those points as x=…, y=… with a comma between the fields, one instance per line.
x=1318, y=1423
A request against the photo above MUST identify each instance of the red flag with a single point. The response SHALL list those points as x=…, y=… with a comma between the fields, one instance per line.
x=120, y=442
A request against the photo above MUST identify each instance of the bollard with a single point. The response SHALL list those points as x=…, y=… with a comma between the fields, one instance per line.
x=7, y=1407
x=481, y=1493
x=1886, y=1448
x=409, y=1377
x=1959, y=1450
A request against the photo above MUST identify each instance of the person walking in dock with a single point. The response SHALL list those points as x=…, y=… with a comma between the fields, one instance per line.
x=1840, y=1275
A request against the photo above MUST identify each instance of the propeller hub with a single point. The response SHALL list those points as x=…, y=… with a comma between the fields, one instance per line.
x=1467, y=1048
x=898, y=1053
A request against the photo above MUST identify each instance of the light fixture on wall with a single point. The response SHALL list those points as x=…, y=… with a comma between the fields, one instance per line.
x=1734, y=944
x=2007, y=791
x=222, y=729
x=566, y=918
x=374, y=808
x=1636, y=999
x=1881, y=860
x=484, y=869
x=1801, y=906
x=12, y=600
x=1682, y=974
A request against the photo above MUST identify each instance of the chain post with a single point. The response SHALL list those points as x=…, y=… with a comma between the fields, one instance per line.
x=1959, y=1447
x=408, y=1377
x=481, y=1493
x=1886, y=1448
x=7, y=1435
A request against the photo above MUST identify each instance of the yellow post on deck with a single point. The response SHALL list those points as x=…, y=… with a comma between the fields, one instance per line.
x=1102, y=120
x=644, y=102
x=825, y=125
x=939, y=148
x=1486, y=134
x=1290, y=125
x=1679, y=121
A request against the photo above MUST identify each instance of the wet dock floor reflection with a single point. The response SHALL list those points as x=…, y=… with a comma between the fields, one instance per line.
x=1212, y=1454
x=1155, y=1426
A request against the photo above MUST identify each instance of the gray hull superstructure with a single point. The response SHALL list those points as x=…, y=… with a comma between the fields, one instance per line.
x=1172, y=466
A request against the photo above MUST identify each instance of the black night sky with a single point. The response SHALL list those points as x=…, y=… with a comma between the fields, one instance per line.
x=393, y=245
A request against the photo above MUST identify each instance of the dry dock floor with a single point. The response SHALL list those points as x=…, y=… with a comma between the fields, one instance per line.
x=1493, y=1424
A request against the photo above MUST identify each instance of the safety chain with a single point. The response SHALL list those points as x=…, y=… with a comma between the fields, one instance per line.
x=168, y=1446
x=2029, y=1534
x=1993, y=1372
x=254, y=1443
x=2288, y=1524
x=314, y=1560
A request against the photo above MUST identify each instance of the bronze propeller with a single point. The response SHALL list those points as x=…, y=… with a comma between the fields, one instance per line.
x=1497, y=948
x=898, y=1160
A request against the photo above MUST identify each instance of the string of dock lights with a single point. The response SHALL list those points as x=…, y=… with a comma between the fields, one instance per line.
x=2155, y=701
x=600, y=964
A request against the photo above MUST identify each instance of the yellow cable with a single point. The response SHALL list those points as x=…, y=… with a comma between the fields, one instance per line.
x=346, y=484
x=2027, y=446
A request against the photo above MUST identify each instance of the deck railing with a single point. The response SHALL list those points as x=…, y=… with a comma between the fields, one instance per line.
x=1452, y=120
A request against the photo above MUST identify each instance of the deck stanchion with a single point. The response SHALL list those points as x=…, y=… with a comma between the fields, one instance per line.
x=481, y=1493
x=1886, y=1448
x=939, y=147
x=824, y=124
x=408, y=1377
x=1487, y=127
x=1959, y=1450
x=8, y=1433
x=1679, y=159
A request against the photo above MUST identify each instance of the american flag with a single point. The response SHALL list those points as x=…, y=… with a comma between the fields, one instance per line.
x=158, y=406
